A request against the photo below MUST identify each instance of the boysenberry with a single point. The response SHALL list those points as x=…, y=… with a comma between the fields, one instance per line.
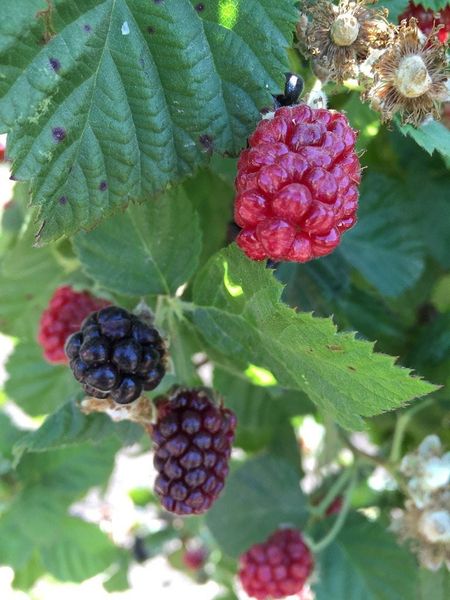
x=116, y=355
x=276, y=568
x=193, y=438
x=63, y=316
x=297, y=185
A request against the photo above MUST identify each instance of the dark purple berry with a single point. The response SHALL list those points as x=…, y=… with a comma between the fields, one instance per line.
x=103, y=378
x=127, y=391
x=143, y=334
x=79, y=369
x=91, y=332
x=73, y=345
x=95, y=351
x=91, y=391
x=126, y=356
x=132, y=355
x=193, y=438
x=115, y=322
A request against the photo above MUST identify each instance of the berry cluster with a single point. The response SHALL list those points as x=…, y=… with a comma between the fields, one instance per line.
x=62, y=317
x=193, y=438
x=278, y=567
x=297, y=185
x=427, y=19
x=116, y=355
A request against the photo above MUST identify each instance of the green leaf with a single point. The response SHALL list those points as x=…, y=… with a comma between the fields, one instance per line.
x=28, y=277
x=140, y=252
x=390, y=257
x=263, y=420
x=212, y=198
x=432, y=136
x=365, y=563
x=435, y=585
x=80, y=551
x=271, y=489
x=35, y=385
x=433, y=4
x=140, y=95
x=238, y=312
x=395, y=7
x=27, y=576
x=68, y=472
x=69, y=426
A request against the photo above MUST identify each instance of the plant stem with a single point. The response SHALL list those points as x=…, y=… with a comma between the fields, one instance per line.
x=319, y=546
x=334, y=490
x=400, y=429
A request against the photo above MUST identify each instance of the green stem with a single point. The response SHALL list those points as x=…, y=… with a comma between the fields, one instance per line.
x=334, y=490
x=319, y=546
x=400, y=429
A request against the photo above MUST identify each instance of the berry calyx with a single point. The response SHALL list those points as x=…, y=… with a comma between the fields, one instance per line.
x=276, y=568
x=297, y=185
x=116, y=355
x=193, y=437
x=62, y=317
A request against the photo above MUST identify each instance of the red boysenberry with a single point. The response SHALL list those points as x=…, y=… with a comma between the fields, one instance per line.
x=428, y=18
x=62, y=317
x=335, y=507
x=2, y=152
x=297, y=185
x=193, y=438
x=116, y=355
x=194, y=558
x=278, y=567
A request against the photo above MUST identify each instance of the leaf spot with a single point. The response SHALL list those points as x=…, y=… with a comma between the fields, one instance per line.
x=55, y=64
x=63, y=200
x=335, y=348
x=59, y=134
x=150, y=30
x=350, y=368
x=103, y=186
x=200, y=7
x=87, y=28
x=125, y=28
x=207, y=142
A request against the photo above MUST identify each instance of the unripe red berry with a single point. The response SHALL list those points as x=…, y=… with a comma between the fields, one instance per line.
x=194, y=558
x=63, y=316
x=297, y=185
x=278, y=567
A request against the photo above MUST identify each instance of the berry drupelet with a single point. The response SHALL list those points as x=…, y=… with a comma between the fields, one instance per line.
x=116, y=355
x=297, y=185
x=62, y=317
x=193, y=438
x=278, y=567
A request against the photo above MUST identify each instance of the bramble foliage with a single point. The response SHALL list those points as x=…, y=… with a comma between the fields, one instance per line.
x=124, y=121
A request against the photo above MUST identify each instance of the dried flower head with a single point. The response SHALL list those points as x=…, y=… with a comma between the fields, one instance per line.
x=410, y=77
x=339, y=37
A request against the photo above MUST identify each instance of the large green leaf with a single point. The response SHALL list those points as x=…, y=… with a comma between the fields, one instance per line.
x=68, y=426
x=238, y=312
x=431, y=136
x=365, y=563
x=259, y=496
x=80, y=551
x=129, y=96
x=35, y=385
x=384, y=246
x=434, y=585
x=28, y=277
x=152, y=249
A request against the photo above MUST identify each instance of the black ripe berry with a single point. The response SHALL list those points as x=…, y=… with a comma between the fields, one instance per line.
x=116, y=355
x=193, y=438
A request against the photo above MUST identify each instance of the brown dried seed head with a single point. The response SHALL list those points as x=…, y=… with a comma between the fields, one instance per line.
x=410, y=78
x=340, y=37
